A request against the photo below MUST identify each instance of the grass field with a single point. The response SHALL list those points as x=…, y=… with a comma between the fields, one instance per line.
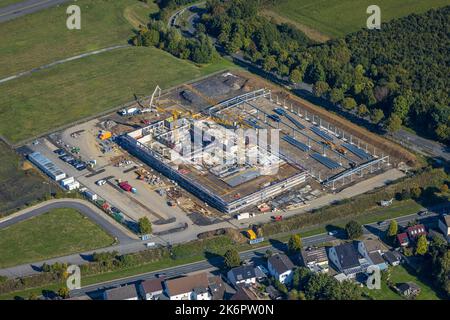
x=400, y=274
x=5, y=3
x=16, y=180
x=34, y=104
x=56, y=233
x=337, y=18
x=42, y=37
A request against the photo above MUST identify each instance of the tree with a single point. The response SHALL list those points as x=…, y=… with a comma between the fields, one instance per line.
x=294, y=243
x=320, y=88
x=296, y=76
x=394, y=123
x=393, y=229
x=400, y=107
x=270, y=63
x=415, y=192
x=422, y=245
x=315, y=72
x=145, y=226
x=336, y=95
x=349, y=103
x=376, y=115
x=63, y=292
x=444, y=188
x=354, y=229
x=232, y=258
x=362, y=110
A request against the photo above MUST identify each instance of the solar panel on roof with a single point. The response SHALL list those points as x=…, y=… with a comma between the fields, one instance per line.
x=327, y=162
x=322, y=133
x=357, y=151
x=296, y=143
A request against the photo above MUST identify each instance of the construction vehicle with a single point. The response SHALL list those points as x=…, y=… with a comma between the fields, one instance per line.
x=341, y=150
x=105, y=135
x=251, y=234
x=129, y=111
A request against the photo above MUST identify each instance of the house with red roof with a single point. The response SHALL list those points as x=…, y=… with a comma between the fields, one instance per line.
x=416, y=231
x=403, y=239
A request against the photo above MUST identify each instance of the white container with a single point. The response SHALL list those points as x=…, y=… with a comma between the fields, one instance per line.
x=73, y=186
x=67, y=181
x=244, y=215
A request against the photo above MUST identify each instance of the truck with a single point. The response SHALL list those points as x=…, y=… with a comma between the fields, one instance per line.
x=125, y=186
x=129, y=111
x=251, y=234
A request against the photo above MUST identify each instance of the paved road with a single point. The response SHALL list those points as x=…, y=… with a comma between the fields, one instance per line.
x=26, y=7
x=214, y=263
x=423, y=145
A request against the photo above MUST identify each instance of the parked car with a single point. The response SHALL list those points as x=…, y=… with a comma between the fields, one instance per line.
x=423, y=213
x=100, y=182
x=333, y=233
x=60, y=152
x=80, y=166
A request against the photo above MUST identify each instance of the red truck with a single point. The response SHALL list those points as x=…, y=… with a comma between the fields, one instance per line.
x=277, y=218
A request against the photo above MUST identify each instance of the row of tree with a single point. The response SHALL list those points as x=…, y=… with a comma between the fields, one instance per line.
x=396, y=76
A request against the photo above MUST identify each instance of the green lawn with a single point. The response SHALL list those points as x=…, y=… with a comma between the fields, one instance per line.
x=36, y=39
x=337, y=18
x=34, y=104
x=56, y=233
x=5, y=3
x=400, y=274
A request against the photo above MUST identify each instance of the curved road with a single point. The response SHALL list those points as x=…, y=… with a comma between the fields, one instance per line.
x=84, y=209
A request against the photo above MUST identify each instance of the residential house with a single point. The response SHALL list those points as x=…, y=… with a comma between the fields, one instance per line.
x=151, y=289
x=128, y=292
x=372, y=250
x=244, y=293
x=444, y=226
x=216, y=287
x=193, y=287
x=281, y=267
x=243, y=275
x=403, y=239
x=347, y=259
x=414, y=232
x=392, y=257
x=408, y=289
x=315, y=259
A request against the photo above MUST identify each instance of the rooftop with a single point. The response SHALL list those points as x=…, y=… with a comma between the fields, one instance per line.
x=314, y=255
x=187, y=284
x=243, y=272
x=122, y=293
x=281, y=263
x=347, y=255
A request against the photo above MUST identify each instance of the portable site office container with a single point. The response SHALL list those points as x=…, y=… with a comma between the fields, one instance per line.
x=48, y=167
x=90, y=195
x=67, y=181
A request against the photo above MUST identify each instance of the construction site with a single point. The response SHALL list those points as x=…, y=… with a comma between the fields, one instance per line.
x=222, y=145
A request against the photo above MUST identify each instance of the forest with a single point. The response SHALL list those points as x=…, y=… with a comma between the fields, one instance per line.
x=394, y=76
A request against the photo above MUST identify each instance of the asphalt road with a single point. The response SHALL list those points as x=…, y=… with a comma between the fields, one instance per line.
x=215, y=263
x=26, y=7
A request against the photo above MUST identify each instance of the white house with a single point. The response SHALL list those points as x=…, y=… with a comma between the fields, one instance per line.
x=347, y=259
x=281, y=267
x=444, y=226
x=372, y=251
x=194, y=287
x=244, y=275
